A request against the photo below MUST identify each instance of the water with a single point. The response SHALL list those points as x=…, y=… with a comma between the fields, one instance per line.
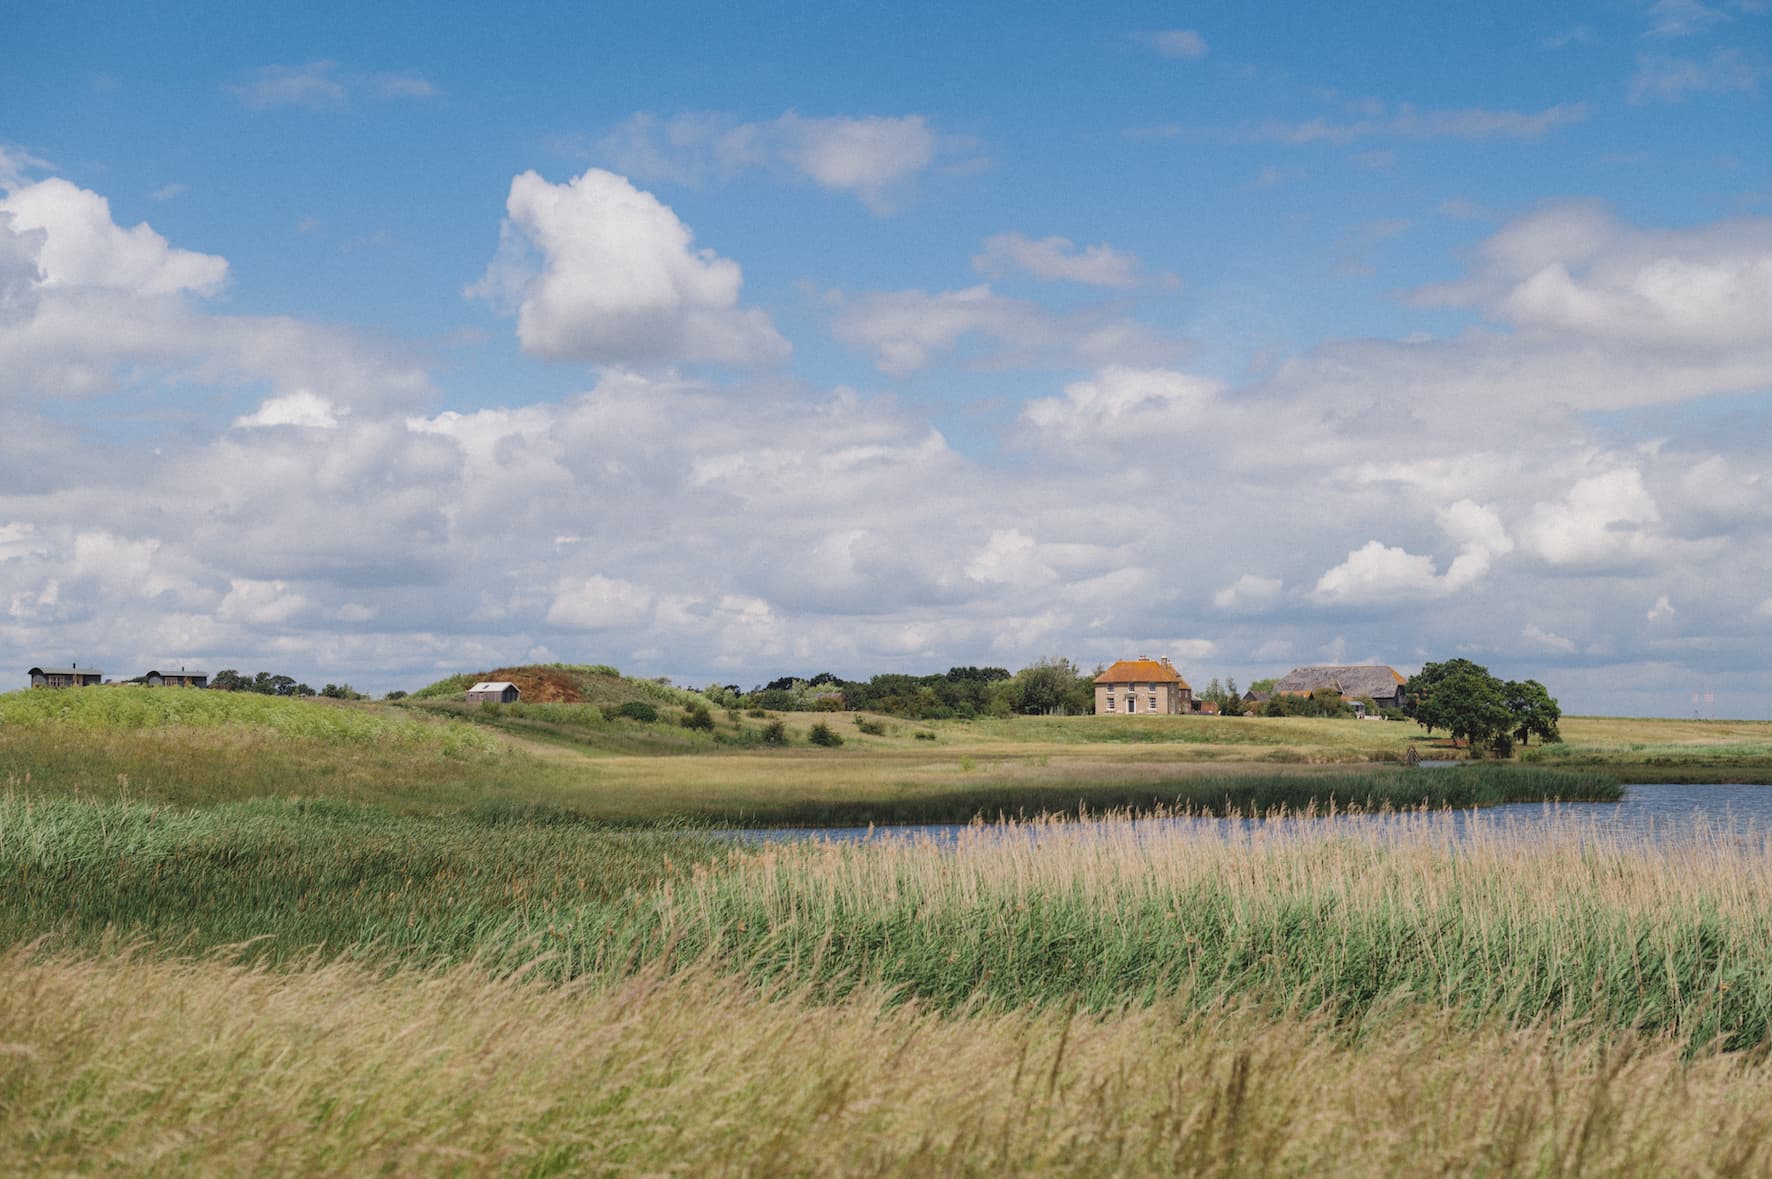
x=1648, y=811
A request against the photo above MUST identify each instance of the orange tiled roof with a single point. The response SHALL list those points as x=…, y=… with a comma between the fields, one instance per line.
x=1141, y=671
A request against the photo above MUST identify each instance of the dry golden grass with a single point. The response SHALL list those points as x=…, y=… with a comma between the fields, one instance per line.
x=123, y=1063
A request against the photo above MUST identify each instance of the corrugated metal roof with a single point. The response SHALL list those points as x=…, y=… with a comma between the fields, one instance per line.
x=492, y=686
x=65, y=671
x=1141, y=671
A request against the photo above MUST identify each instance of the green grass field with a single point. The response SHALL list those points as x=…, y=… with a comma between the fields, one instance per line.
x=247, y=935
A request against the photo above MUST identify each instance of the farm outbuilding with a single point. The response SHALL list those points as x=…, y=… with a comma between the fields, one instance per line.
x=494, y=692
x=177, y=679
x=1383, y=684
x=72, y=676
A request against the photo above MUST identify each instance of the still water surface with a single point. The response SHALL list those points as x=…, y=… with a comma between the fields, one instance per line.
x=1651, y=811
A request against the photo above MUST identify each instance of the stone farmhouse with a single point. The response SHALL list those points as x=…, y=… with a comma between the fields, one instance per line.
x=1144, y=686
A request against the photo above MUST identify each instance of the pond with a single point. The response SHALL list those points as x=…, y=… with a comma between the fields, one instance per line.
x=1651, y=811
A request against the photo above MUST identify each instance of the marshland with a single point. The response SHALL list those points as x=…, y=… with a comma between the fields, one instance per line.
x=246, y=934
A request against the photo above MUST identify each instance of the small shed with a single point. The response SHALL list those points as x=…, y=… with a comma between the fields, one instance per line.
x=72, y=676
x=494, y=692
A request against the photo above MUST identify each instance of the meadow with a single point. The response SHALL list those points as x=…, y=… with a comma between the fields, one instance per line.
x=245, y=935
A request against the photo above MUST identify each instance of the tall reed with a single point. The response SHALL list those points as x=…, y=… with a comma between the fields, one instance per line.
x=1561, y=925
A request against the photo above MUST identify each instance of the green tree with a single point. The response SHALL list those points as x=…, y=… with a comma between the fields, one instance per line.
x=1535, y=712
x=1053, y=686
x=1419, y=691
x=1471, y=705
x=1475, y=707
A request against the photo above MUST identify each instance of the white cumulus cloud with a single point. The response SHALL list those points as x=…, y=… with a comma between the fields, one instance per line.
x=83, y=247
x=1377, y=572
x=300, y=408
x=601, y=271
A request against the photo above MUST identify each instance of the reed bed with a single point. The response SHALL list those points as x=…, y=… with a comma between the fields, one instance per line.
x=1560, y=926
x=1021, y=792
x=141, y=1065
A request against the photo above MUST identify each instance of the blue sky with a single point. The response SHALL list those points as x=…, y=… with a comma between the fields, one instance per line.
x=373, y=342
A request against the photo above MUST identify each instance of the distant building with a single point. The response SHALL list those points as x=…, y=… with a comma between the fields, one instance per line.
x=1375, y=680
x=71, y=676
x=1143, y=685
x=494, y=692
x=176, y=679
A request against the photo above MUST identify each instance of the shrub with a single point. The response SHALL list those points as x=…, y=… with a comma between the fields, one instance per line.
x=775, y=733
x=634, y=710
x=822, y=734
x=698, y=717
x=872, y=728
x=756, y=714
x=925, y=735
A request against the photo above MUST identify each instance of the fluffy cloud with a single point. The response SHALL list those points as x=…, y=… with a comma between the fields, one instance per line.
x=300, y=408
x=1117, y=406
x=87, y=306
x=80, y=246
x=1056, y=259
x=873, y=158
x=1574, y=270
x=1377, y=572
x=1604, y=519
x=600, y=271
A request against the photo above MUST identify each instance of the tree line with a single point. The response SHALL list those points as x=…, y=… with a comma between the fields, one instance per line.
x=1053, y=686
x=268, y=684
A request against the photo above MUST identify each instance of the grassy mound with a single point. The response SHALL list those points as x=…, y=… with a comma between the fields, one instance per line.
x=127, y=709
x=563, y=683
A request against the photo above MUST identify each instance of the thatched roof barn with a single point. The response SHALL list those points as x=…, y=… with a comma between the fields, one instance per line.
x=1383, y=684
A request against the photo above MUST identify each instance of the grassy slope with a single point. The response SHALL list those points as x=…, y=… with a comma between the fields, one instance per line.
x=441, y=756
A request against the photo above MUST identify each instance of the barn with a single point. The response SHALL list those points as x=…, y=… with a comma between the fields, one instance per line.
x=494, y=692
